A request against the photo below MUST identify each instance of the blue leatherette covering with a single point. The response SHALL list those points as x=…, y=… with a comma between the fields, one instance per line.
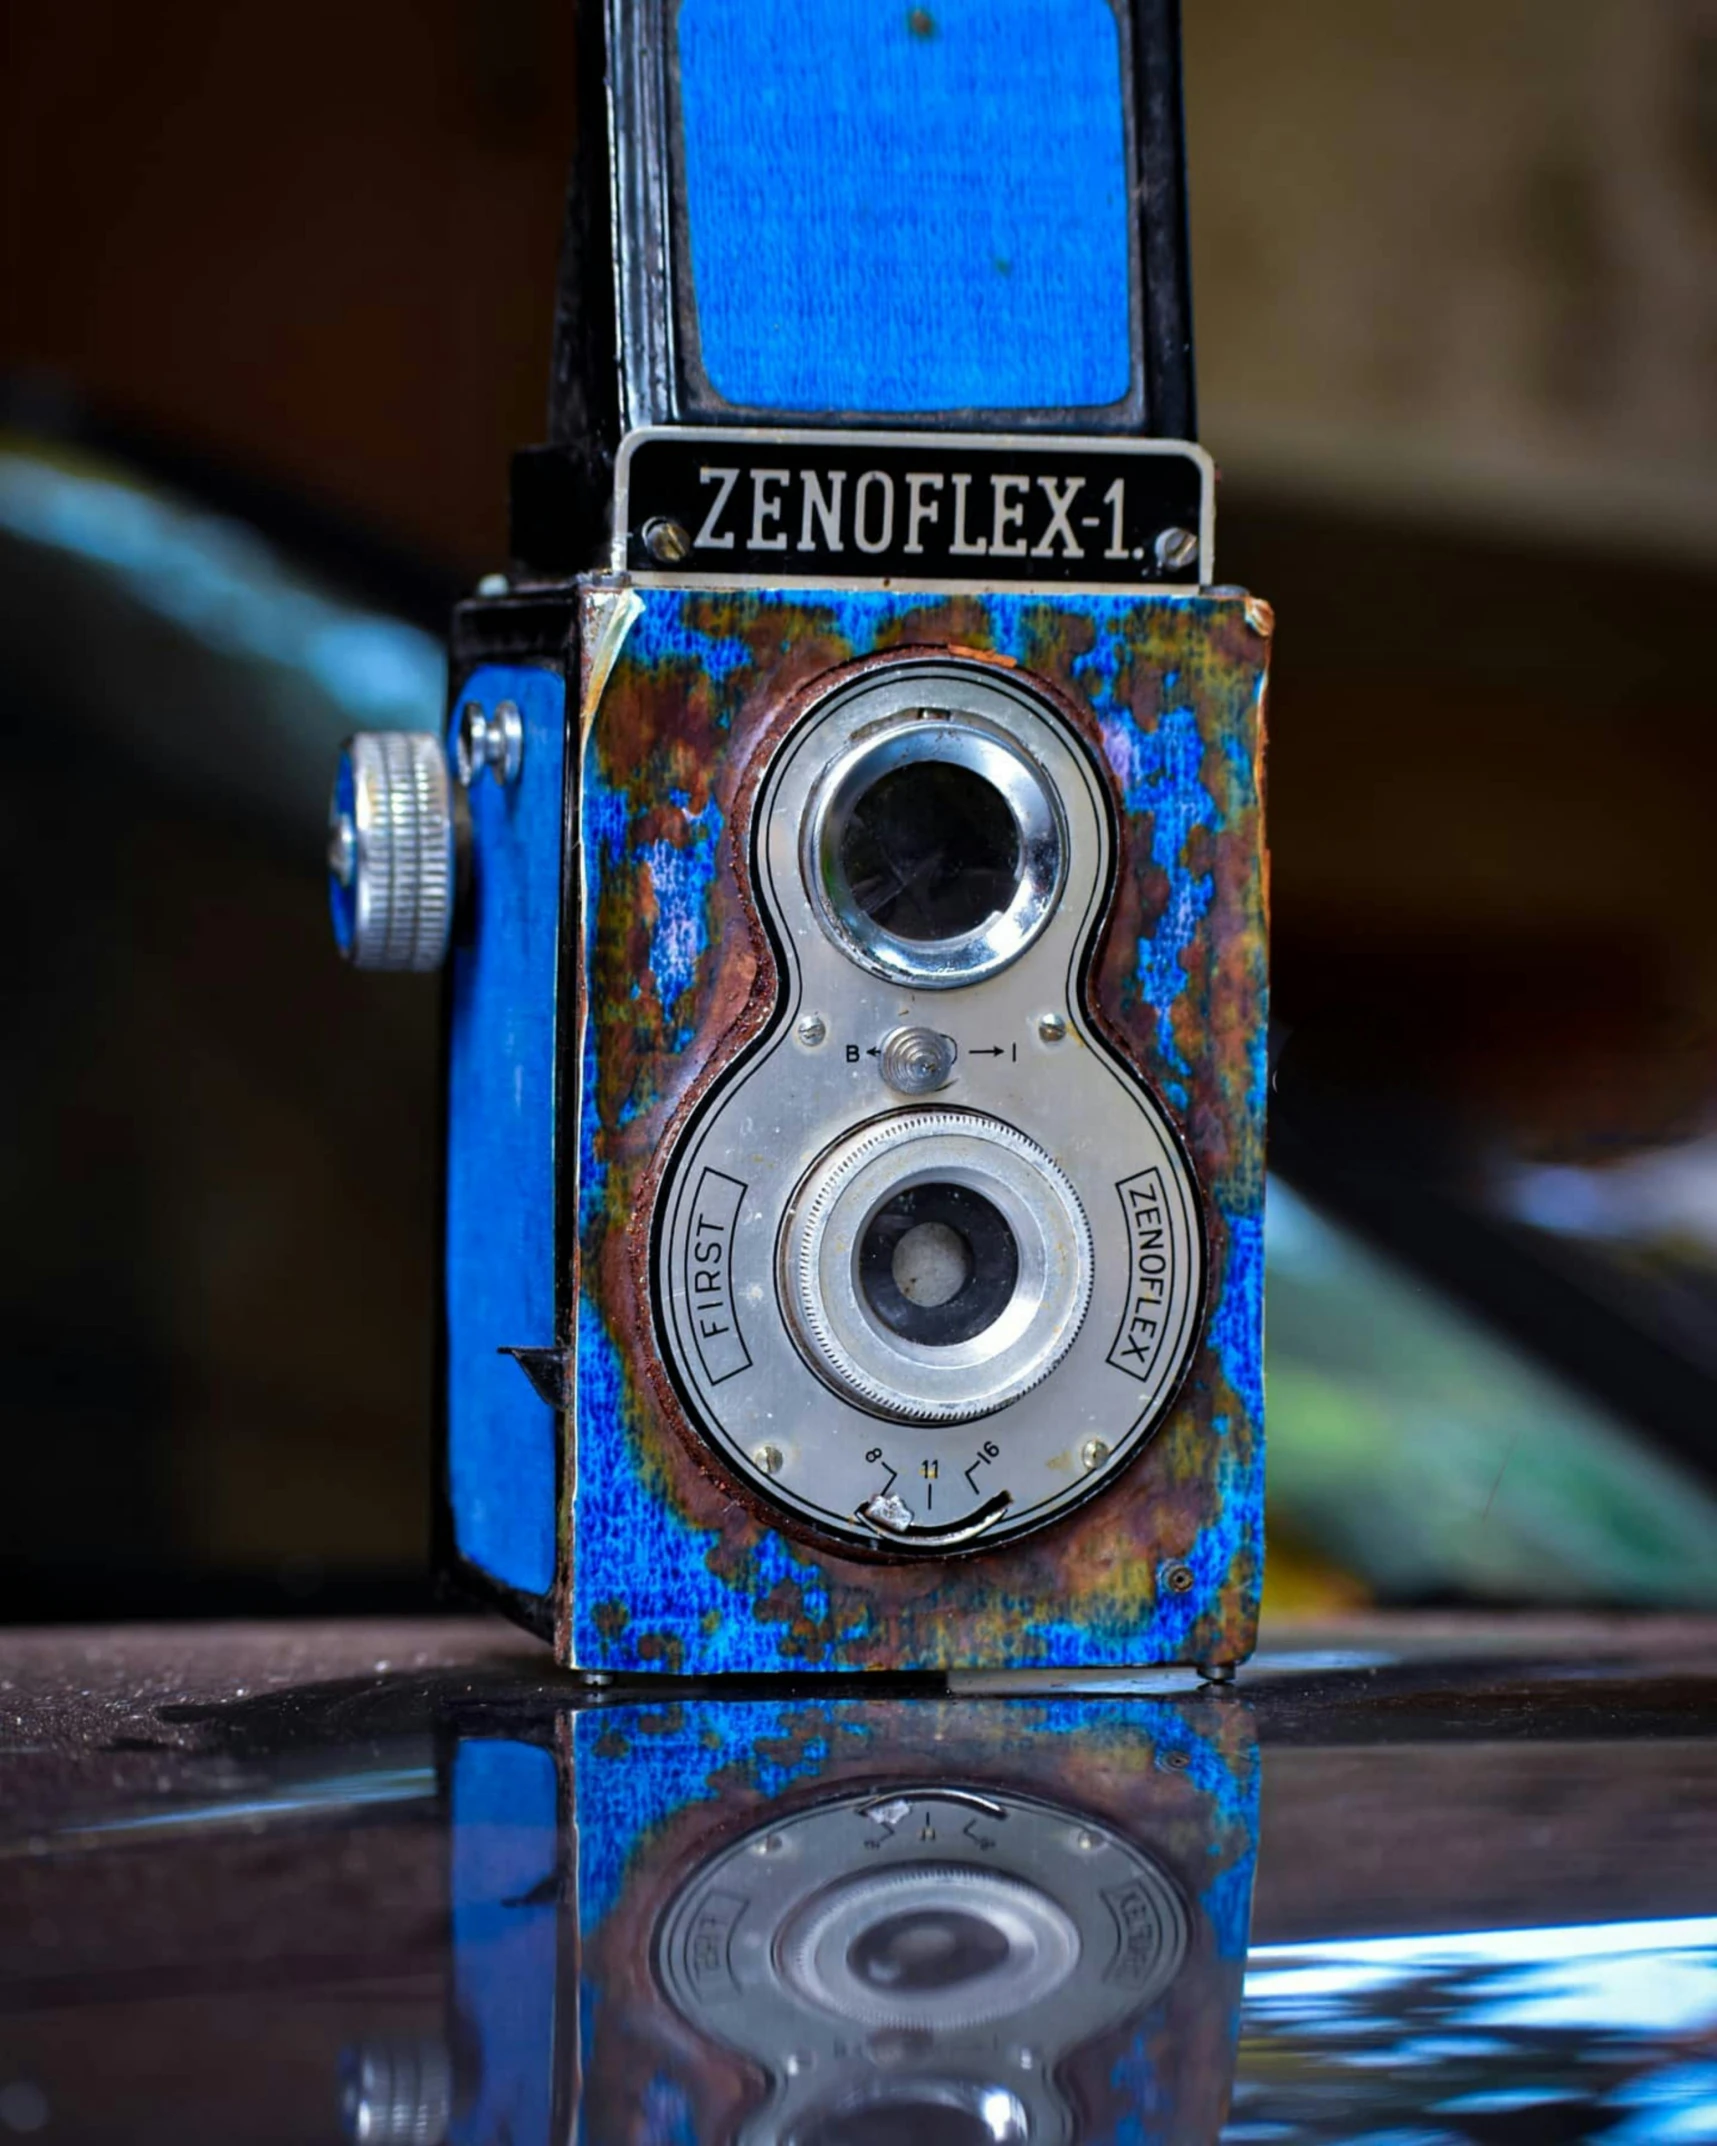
x=896, y=209
x=501, y=1475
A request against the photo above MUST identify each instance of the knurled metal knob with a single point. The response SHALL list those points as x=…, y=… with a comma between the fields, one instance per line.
x=917, y=1061
x=391, y=851
x=397, y=2093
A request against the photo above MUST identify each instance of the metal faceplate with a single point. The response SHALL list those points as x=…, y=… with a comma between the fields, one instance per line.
x=1036, y=1115
x=926, y=1956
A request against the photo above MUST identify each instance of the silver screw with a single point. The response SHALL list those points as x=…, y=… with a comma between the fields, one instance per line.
x=917, y=1061
x=1175, y=549
x=1052, y=1027
x=495, y=742
x=811, y=1030
x=666, y=540
x=1088, y=1842
x=768, y=1458
x=770, y=1844
x=1092, y=1452
x=494, y=585
x=1178, y=1578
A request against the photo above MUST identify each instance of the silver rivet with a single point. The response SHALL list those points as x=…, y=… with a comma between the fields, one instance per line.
x=1175, y=549
x=1178, y=1578
x=1052, y=1027
x=495, y=742
x=1088, y=1842
x=666, y=540
x=768, y=1458
x=1092, y=1452
x=811, y=1030
x=917, y=1061
x=1026, y=2059
x=797, y=2061
x=770, y=1844
x=494, y=585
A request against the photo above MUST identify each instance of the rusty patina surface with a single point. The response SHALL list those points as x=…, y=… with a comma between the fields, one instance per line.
x=669, y=1566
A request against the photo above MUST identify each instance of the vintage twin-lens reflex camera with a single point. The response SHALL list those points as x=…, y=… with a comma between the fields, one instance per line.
x=846, y=851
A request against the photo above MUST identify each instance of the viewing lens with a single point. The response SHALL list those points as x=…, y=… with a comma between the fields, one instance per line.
x=926, y=1949
x=931, y=851
x=938, y=1264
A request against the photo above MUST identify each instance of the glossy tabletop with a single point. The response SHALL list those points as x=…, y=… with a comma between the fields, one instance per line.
x=1409, y=1880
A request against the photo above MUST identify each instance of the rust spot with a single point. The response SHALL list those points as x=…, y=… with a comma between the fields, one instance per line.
x=984, y=655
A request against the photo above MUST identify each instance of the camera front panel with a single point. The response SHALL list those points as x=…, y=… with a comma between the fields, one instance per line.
x=920, y=1130
x=929, y=1263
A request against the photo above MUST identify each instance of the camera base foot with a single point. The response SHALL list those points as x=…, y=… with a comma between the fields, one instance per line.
x=1217, y=1672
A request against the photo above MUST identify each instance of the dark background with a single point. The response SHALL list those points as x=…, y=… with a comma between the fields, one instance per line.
x=1457, y=342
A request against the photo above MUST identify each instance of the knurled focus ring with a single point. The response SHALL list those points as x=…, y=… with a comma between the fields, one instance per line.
x=841, y=1332
x=398, y=858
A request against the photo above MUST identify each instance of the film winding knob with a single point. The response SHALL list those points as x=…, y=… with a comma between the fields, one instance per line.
x=391, y=851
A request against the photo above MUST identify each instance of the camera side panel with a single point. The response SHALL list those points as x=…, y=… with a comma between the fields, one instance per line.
x=688, y=693
x=501, y=1457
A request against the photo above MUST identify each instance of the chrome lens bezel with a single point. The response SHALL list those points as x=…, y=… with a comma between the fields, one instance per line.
x=832, y=1322
x=952, y=737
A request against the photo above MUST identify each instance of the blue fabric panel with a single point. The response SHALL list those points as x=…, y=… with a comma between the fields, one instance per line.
x=898, y=209
x=505, y=1942
x=500, y=1149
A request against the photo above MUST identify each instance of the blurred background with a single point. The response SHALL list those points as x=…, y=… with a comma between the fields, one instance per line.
x=274, y=309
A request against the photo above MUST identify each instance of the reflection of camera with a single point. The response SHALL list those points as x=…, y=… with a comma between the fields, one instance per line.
x=853, y=898
x=921, y=1965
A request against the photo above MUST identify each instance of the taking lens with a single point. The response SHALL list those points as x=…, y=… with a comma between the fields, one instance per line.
x=930, y=851
x=938, y=1263
x=926, y=1949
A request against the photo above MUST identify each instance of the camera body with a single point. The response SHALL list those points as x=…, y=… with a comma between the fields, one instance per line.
x=881, y=922
x=852, y=888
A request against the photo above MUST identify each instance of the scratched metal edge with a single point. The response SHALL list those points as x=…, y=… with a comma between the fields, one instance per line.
x=657, y=1789
x=672, y=1572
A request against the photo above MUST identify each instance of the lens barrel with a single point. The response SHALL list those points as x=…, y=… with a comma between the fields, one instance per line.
x=935, y=1265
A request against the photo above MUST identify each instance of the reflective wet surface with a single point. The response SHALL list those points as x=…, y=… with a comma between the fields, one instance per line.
x=1409, y=1881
